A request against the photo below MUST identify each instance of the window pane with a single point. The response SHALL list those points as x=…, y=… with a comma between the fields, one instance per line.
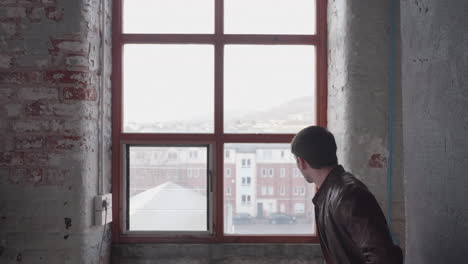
x=168, y=88
x=269, y=16
x=269, y=204
x=168, y=16
x=269, y=88
x=168, y=189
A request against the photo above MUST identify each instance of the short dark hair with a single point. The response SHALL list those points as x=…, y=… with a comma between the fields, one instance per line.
x=316, y=145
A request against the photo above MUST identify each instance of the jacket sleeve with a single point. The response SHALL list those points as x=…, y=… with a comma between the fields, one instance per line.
x=365, y=224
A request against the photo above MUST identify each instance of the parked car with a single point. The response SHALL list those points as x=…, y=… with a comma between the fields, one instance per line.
x=242, y=218
x=280, y=218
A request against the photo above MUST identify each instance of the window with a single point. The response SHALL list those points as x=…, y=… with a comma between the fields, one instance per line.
x=193, y=154
x=246, y=199
x=282, y=191
x=254, y=70
x=264, y=190
x=299, y=208
x=271, y=172
x=283, y=208
x=271, y=190
x=146, y=192
x=228, y=172
x=172, y=156
x=295, y=190
x=303, y=189
x=282, y=172
x=228, y=191
x=296, y=172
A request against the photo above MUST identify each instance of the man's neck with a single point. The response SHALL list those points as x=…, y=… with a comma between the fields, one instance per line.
x=321, y=175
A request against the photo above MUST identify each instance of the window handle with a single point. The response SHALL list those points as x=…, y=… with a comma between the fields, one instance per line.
x=210, y=180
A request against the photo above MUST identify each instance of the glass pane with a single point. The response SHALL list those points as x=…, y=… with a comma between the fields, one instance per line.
x=269, y=88
x=168, y=16
x=264, y=192
x=168, y=189
x=168, y=88
x=269, y=16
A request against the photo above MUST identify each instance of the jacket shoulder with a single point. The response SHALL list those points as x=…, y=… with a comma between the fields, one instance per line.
x=348, y=186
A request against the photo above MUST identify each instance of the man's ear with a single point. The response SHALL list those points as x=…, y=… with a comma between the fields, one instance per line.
x=301, y=163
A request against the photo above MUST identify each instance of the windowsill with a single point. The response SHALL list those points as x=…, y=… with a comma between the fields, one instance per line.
x=208, y=253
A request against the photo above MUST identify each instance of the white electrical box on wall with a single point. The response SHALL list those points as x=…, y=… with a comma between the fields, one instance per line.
x=103, y=209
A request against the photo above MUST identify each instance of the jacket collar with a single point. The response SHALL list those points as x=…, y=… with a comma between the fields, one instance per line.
x=334, y=174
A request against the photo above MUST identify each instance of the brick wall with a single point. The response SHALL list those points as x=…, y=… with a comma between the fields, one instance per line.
x=55, y=127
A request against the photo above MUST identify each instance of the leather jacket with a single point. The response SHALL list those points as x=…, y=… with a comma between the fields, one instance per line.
x=351, y=226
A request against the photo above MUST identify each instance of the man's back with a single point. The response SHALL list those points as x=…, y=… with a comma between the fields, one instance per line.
x=351, y=225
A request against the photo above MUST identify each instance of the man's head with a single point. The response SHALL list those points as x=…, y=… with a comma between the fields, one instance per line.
x=316, y=146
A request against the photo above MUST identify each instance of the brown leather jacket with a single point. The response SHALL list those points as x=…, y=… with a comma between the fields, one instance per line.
x=351, y=226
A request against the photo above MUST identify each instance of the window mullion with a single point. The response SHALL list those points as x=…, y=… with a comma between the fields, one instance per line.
x=219, y=120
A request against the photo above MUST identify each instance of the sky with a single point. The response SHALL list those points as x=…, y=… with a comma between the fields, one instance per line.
x=176, y=82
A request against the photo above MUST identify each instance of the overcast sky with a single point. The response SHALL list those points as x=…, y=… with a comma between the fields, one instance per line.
x=176, y=82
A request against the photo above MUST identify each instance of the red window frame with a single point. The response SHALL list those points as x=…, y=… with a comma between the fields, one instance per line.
x=218, y=138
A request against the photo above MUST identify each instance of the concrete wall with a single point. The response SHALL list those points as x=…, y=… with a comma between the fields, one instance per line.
x=359, y=98
x=55, y=127
x=217, y=254
x=435, y=92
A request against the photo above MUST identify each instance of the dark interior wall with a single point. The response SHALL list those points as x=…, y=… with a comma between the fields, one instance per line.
x=435, y=103
x=55, y=128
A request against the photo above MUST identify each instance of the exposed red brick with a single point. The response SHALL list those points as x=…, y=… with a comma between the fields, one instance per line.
x=66, y=143
x=60, y=110
x=377, y=161
x=71, y=93
x=54, y=13
x=67, y=77
x=71, y=44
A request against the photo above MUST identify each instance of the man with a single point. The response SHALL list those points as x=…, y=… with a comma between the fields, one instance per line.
x=351, y=226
